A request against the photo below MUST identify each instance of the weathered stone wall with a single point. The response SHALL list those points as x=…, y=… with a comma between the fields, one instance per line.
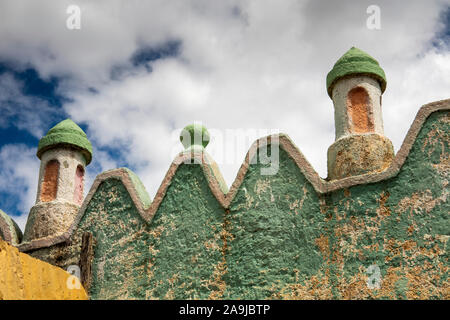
x=273, y=222
x=120, y=234
x=285, y=236
x=400, y=225
x=186, y=240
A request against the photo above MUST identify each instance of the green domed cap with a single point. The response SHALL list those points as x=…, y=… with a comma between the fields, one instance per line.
x=354, y=62
x=66, y=133
x=194, y=135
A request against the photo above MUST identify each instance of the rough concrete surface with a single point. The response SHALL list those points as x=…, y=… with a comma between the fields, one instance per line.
x=359, y=154
x=49, y=219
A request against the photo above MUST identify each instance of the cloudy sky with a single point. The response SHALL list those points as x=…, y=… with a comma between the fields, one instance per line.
x=136, y=72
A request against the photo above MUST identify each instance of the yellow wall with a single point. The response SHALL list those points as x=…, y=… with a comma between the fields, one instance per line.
x=23, y=277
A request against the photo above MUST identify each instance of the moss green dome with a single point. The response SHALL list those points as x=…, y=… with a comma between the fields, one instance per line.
x=354, y=62
x=66, y=133
x=194, y=135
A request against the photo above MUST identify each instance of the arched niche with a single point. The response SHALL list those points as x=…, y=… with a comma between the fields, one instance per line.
x=49, y=186
x=359, y=111
x=79, y=185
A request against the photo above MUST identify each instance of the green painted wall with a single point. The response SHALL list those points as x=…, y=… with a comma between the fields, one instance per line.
x=121, y=255
x=121, y=236
x=185, y=243
x=279, y=238
x=401, y=225
x=273, y=223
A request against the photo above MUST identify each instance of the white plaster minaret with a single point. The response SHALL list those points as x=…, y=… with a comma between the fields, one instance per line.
x=64, y=152
x=355, y=84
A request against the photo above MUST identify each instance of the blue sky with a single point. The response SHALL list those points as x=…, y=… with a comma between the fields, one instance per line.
x=135, y=74
x=16, y=115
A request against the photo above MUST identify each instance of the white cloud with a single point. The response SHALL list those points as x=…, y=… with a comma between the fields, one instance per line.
x=19, y=176
x=242, y=64
x=422, y=81
x=27, y=112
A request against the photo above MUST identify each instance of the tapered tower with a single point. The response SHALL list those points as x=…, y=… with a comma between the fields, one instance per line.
x=64, y=153
x=356, y=84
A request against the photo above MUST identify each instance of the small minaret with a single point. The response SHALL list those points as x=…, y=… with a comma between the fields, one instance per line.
x=194, y=137
x=64, y=153
x=355, y=84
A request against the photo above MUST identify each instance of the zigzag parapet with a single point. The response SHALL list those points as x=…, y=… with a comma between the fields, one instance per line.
x=284, y=236
x=148, y=208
